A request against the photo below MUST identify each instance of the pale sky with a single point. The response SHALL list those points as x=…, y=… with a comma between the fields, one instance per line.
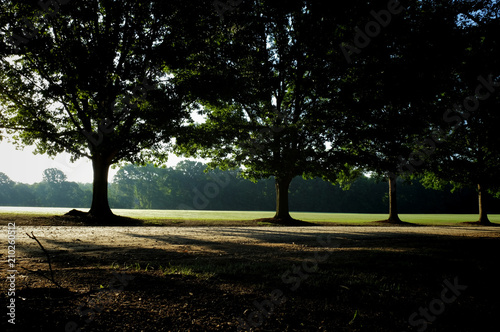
x=23, y=166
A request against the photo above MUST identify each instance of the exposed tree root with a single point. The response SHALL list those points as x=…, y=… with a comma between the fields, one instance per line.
x=112, y=220
x=285, y=222
x=396, y=222
x=481, y=223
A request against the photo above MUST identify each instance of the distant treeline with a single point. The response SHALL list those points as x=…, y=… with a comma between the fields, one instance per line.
x=187, y=187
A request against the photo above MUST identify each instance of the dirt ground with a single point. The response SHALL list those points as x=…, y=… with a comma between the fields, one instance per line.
x=316, y=278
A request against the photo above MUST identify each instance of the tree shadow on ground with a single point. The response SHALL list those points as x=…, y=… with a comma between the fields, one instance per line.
x=390, y=222
x=85, y=218
x=384, y=279
x=478, y=223
x=284, y=222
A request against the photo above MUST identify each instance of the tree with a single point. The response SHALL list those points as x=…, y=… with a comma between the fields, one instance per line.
x=5, y=180
x=146, y=187
x=268, y=108
x=54, y=175
x=87, y=78
x=470, y=156
x=55, y=191
x=6, y=185
x=23, y=195
x=395, y=86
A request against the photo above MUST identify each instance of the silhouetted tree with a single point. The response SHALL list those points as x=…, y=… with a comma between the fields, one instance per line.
x=54, y=175
x=88, y=78
x=266, y=94
x=470, y=157
x=396, y=84
x=6, y=185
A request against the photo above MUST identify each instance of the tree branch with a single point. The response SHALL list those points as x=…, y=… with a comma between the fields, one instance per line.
x=32, y=236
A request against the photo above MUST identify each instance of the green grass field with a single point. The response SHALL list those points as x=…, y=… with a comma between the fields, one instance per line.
x=342, y=218
x=349, y=218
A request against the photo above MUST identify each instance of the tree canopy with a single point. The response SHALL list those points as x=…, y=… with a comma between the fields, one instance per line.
x=470, y=155
x=88, y=79
x=395, y=85
x=304, y=88
x=272, y=110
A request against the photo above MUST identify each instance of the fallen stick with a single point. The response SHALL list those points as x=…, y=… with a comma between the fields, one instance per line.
x=52, y=279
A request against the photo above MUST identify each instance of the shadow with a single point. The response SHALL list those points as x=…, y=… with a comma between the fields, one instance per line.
x=284, y=222
x=262, y=235
x=48, y=293
x=214, y=276
x=390, y=222
x=85, y=218
x=388, y=274
x=479, y=224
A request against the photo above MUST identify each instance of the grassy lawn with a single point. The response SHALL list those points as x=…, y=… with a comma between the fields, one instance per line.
x=166, y=217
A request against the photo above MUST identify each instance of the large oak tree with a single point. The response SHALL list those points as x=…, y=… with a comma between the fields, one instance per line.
x=267, y=95
x=470, y=157
x=89, y=78
x=397, y=84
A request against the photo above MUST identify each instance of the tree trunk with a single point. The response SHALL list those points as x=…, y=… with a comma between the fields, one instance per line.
x=483, y=215
x=282, y=211
x=100, y=205
x=393, y=200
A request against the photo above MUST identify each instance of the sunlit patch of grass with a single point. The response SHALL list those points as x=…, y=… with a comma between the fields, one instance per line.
x=127, y=266
x=161, y=222
x=207, y=269
x=169, y=269
x=245, y=218
x=176, y=269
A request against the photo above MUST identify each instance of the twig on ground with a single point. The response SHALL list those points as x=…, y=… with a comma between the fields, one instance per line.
x=32, y=236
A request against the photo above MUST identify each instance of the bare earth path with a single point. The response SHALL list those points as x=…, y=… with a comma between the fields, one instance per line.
x=315, y=278
x=88, y=239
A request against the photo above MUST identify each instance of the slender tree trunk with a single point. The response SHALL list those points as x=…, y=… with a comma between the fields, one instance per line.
x=100, y=205
x=483, y=215
x=282, y=211
x=393, y=200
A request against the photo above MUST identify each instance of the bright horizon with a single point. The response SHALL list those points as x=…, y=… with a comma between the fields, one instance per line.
x=25, y=167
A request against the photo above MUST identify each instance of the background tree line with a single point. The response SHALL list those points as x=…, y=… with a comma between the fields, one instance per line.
x=187, y=186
